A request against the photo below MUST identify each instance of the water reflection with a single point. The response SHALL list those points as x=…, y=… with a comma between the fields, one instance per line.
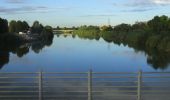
x=4, y=58
x=157, y=60
x=21, y=50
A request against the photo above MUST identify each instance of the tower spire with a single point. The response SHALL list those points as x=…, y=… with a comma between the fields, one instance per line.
x=108, y=21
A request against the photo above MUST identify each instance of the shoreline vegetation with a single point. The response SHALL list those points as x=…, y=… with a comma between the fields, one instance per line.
x=18, y=32
x=151, y=35
x=18, y=37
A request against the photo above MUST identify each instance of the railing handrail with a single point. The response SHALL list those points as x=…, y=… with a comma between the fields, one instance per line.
x=42, y=79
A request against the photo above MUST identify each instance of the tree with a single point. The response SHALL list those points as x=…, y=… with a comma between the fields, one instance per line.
x=19, y=27
x=25, y=25
x=58, y=28
x=139, y=26
x=3, y=25
x=47, y=33
x=106, y=28
x=12, y=26
x=37, y=27
x=122, y=28
x=159, y=24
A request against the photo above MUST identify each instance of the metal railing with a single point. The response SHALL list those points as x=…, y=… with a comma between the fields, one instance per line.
x=84, y=85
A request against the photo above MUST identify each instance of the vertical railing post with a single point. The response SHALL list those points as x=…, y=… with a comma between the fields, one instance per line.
x=90, y=85
x=139, y=85
x=40, y=79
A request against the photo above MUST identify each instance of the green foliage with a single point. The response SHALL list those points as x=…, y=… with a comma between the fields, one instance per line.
x=3, y=26
x=12, y=26
x=10, y=39
x=134, y=38
x=107, y=35
x=159, y=24
x=47, y=33
x=18, y=26
x=139, y=26
x=162, y=45
x=91, y=32
x=37, y=27
x=168, y=46
x=122, y=28
x=106, y=28
x=153, y=41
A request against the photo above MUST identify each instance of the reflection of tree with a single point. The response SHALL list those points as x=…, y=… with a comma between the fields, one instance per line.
x=49, y=43
x=4, y=58
x=158, y=60
x=22, y=51
x=73, y=36
x=37, y=47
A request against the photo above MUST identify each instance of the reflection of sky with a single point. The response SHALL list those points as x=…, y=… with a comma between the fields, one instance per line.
x=68, y=54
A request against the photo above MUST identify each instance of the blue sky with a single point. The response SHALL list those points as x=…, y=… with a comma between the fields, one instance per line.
x=79, y=12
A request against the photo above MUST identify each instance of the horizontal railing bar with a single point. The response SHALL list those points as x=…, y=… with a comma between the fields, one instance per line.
x=116, y=86
x=23, y=96
x=66, y=86
x=18, y=91
x=57, y=96
x=156, y=82
x=81, y=72
x=76, y=77
x=156, y=92
x=96, y=86
x=112, y=95
x=156, y=76
x=155, y=86
x=115, y=77
x=64, y=82
x=19, y=72
x=63, y=77
x=51, y=96
x=53, y=82
x=115, y=91
x=156, y=72
x=64, y=72
x=18, y=77
x=18, y=86
x=19, y=82
x=114, y=73
x=96, y=91
x=156, y=95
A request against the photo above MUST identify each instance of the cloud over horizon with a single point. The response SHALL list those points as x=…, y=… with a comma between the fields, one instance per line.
x=147, y=3
x=15, y=1
x=23, y=9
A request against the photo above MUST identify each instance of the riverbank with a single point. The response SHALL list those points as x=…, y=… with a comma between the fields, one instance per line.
x=151, y=35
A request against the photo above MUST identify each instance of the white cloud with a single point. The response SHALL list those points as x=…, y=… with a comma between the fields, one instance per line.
x=147, y=3
x=162, y=2
x=15, y=1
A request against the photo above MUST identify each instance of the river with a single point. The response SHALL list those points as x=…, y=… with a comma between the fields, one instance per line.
x=74, y=54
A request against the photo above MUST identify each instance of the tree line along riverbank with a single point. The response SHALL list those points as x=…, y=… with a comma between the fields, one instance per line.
x=153, y=34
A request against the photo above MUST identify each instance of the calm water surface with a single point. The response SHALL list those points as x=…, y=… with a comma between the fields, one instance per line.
x=79, y=55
